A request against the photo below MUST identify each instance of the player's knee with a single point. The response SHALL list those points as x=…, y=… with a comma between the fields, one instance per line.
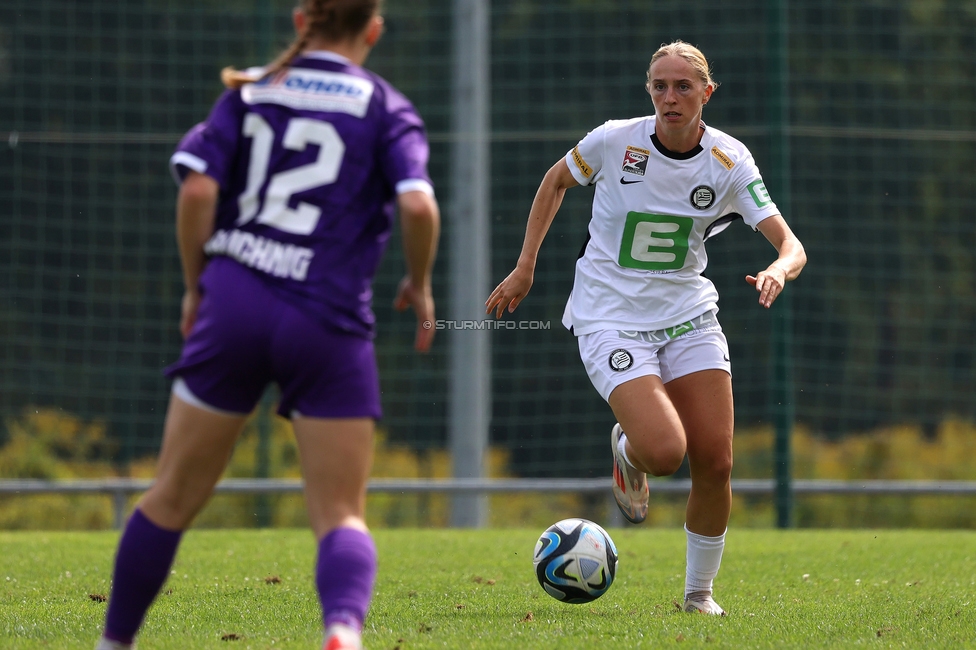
x=666, y=458
x=170, y=508
x=665, y=466
x=716, y=469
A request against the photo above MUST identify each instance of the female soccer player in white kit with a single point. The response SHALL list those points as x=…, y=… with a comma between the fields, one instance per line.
x=643, y=313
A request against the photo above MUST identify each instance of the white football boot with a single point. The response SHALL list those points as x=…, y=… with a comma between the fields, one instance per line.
x=702, y=604
x=629, y=485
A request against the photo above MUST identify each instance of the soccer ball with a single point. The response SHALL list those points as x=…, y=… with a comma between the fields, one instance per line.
x=575, y=561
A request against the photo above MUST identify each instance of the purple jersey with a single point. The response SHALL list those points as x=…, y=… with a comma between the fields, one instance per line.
x=309, y=162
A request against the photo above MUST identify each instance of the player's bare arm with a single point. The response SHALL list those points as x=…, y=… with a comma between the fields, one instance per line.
x=513, y=289
x=420, y=224
x=792, y=258
x=195, y=213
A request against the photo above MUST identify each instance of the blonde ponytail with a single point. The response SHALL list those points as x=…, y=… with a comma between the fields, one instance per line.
x=234, y=78
x=332, y=19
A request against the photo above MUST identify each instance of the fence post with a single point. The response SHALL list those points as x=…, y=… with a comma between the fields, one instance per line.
x=615, y=518
x=778, y=176
x=262, y=469
x=120, y=499
x=264, y=29
x=469, y=406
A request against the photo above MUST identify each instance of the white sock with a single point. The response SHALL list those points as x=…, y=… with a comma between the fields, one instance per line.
x=704, y=558
x=108, y=644
x=622, y=448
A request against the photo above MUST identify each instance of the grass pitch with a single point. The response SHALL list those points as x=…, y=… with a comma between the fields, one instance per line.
x=476, y=589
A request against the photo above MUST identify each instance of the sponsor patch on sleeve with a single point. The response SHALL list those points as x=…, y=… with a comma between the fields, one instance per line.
x=635, y=160
x=722, y=158
x=759, y=194
x=585, y=169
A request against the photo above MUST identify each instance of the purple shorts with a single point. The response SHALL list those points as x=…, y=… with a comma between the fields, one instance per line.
x=246, y=337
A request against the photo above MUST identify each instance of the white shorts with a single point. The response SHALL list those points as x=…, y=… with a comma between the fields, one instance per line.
x=612, y=357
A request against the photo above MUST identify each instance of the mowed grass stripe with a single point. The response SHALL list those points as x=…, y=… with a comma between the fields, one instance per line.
x=476, y=589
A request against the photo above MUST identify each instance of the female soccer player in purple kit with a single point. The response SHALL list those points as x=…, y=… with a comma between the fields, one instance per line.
x=287, y=197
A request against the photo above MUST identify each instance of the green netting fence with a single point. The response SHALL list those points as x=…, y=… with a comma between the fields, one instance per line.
x=881, y=155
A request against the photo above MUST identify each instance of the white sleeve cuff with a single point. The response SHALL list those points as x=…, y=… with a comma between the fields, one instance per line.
x=415, y=185
x=576, y=171
x=188, y=160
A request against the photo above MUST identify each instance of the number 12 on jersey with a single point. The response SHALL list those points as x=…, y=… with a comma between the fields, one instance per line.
x=299, y=133
x=654, y=242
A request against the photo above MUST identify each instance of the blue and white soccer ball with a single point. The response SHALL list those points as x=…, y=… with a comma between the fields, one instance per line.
x=575, y=561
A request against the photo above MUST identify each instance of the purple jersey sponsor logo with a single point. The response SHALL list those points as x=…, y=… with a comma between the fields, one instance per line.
x=312, y=90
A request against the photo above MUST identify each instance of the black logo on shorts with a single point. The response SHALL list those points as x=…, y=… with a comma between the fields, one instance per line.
x=702, y=197
x=620, y=360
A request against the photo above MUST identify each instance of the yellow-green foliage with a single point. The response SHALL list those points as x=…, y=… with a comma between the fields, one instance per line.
x=891, y=453
x=50, y=444
x=383, y=509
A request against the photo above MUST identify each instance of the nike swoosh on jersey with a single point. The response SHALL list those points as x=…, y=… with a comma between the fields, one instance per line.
x=626, y=182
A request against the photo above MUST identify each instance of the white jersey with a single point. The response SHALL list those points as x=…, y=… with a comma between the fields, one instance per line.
x=642, y=266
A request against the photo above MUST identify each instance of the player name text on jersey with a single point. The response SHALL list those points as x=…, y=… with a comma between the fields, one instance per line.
x=261, y=253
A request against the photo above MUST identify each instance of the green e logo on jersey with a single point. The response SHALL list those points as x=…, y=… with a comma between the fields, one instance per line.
x=655, y=242
x=759, y=194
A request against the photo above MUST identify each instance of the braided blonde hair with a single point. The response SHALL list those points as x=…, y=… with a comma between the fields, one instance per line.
x=331, y=20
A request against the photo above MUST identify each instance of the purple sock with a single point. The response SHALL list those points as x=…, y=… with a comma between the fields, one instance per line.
x=344, y=575
x=142, y=564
